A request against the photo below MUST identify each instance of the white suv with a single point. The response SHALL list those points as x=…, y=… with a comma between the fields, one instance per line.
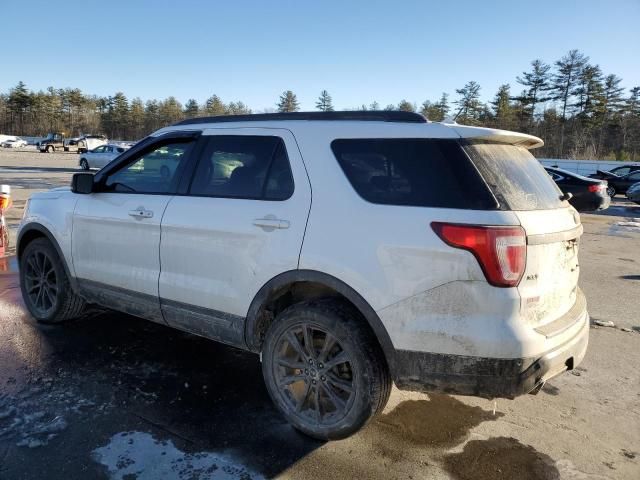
x=350, y=249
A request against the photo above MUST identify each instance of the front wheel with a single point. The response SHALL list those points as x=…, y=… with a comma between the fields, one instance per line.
x=611, y=191
x=84, y=165
x=324, y=369
x=45, y=286
x=50, y=149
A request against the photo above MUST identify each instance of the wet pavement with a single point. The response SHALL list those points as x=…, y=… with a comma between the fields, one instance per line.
x=112, y=392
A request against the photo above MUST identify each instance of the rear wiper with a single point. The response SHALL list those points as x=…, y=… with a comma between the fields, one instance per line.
x=566, y=196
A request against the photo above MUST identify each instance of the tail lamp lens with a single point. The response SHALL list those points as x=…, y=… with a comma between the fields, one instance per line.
x=500, y=251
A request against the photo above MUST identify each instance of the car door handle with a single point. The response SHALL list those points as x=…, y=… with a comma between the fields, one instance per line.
x=141, y=213
x=270, y=223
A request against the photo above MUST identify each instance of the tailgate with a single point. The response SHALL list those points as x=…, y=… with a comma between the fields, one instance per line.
x=549, y=285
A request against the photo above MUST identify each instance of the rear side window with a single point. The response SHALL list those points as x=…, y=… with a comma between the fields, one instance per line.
x=415, y=172
x=243, y=166
x=515, y=177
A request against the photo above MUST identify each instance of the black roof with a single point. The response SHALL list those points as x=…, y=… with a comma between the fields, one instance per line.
x=366, y=116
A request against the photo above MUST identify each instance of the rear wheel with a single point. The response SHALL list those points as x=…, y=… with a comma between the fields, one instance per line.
x=84, y=165
x=324, y=369
x=611, y=191
x=45, y=286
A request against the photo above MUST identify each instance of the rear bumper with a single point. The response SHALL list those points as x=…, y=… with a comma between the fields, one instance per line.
x=490, y=377
x=592, y=202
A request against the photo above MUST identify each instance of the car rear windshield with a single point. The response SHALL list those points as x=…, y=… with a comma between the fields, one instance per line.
x=515, y=177
x=416, y=172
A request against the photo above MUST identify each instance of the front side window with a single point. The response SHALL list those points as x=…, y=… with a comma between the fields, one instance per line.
x=99, y=149
x=243, y=166
x=634, y=177
x=153, y=172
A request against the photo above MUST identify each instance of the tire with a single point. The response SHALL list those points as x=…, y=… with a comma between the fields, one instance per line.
x=333, y=412
x=611, y=191
x=84, y=165
x=57, y=302
x=50, y=149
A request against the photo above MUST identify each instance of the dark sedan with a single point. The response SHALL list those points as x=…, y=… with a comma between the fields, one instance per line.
x=588, y=193
x=622, y=184
x=615, y=173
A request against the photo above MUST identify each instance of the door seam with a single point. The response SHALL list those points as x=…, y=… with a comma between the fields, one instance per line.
x=160, y=259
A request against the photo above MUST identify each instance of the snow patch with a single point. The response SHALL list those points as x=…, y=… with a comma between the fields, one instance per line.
x=138, y=455
x=630, y=225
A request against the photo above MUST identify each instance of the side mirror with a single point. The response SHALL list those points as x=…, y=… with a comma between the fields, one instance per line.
x=82, y=183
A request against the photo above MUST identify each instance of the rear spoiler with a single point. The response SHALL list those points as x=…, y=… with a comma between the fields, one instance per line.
x=494, y=135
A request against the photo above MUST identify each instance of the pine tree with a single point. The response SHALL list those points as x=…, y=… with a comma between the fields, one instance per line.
x=469, y=104
x=288, y=102
x=612, y=104
x=324, y=103
x=537, y=83
x=405, y=106
x=503, y=110
x=589, y=92
x=136, y=119
x=191, y=108
x=152, y=115
x=563, y=83
x=237, y=108
x=170, y=111
x=18, y=103
x=215, y=106
x=442, y=108
x=436, y=112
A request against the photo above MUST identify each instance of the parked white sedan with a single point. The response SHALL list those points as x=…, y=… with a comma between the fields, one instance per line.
x=16, y=143
x=100, y=156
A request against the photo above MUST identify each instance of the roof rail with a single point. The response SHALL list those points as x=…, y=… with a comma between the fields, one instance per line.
x=365, y=116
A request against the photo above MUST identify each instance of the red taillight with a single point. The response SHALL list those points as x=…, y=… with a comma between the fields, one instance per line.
x=500, y=251
x=596, y=187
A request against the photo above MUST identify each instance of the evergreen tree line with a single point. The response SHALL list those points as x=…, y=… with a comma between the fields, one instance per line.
x=576, y=108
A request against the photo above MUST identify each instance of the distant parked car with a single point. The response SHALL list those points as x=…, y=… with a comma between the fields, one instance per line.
x=614, y=173
x=622, y=184
x=100, y=156
x=633, y=193
x=17, y=143
x=71, y=145
x=588, y=193
x=90, y=142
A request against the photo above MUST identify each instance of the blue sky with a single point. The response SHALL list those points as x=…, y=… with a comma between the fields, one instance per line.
x=359, y=51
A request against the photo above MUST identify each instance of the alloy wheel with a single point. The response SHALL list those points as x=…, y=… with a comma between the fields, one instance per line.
x=41, y=282
x=314, y=374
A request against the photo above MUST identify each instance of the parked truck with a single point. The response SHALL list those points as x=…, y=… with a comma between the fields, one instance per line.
x=59, y=142
x=52, y=142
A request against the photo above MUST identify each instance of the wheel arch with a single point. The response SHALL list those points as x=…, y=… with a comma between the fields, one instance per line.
x=31, y=232
x=298, y=285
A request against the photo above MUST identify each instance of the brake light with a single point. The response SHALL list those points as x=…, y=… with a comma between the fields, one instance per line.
x=500, y=251
x=597, y=187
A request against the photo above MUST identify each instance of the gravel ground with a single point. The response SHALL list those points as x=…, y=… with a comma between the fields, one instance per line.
x=116, y=397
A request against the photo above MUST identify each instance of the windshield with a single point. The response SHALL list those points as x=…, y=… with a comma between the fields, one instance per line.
x=516, y=178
